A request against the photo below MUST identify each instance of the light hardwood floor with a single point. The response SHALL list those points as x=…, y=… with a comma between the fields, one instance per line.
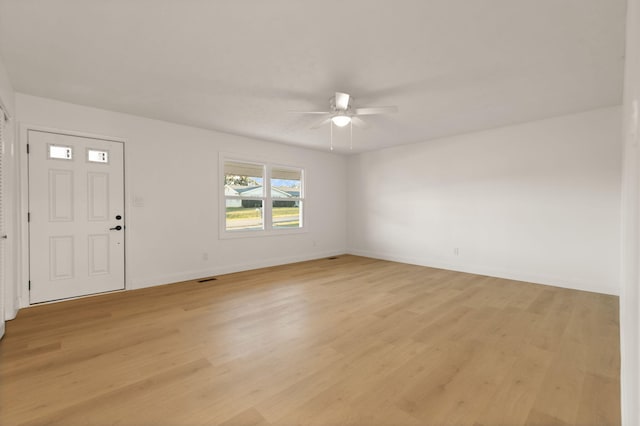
x=351, y=341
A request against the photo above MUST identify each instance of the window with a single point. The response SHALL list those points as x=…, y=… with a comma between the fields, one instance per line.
x=261, y=198
x=286, y=191
x=244, y=196
x=97, y=156
x=60, y=152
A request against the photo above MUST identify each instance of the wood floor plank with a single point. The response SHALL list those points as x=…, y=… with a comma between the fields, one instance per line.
x=350, y=341
x=249, y=417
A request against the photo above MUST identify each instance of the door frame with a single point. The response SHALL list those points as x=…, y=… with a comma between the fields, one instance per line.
x=23, y=208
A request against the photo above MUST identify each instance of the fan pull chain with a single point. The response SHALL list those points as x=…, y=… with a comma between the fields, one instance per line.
x=351, y=135
x=331, y=126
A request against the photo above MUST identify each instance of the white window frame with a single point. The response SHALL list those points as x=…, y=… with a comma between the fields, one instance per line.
x=267, y=200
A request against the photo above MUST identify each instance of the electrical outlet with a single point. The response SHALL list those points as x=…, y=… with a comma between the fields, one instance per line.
x=456, y=251
x=205, y=255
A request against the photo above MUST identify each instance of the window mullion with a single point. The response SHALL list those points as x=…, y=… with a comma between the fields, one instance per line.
x=268, y=209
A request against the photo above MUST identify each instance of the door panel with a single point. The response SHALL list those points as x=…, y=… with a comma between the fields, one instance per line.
x=60, y=195
x=98, y=196
x=98, y=254
x=76, y=190
x=61, y=256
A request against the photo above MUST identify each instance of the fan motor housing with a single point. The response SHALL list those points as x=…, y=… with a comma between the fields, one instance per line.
x=332, y=103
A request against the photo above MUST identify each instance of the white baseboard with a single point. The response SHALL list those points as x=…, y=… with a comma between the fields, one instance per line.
x=226, y=269
x=489, y=271
x=239, y=267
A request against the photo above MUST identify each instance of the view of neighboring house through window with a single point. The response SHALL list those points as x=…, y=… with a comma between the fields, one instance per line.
x=244, y=195
x=286, y=195
x=262, y=197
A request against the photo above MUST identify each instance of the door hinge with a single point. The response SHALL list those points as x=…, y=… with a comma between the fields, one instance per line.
x=29, y=284
x=29, y=217
x=27, y=148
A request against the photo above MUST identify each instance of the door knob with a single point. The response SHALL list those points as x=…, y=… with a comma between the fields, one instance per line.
x=116, y=228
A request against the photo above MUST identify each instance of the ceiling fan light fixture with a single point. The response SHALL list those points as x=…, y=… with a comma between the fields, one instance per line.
x=341, y=120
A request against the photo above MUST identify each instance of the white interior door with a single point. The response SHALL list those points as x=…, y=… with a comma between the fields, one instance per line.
x=3, y=235
x=76, y=216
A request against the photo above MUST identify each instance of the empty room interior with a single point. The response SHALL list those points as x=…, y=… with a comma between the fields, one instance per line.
x=320, y=213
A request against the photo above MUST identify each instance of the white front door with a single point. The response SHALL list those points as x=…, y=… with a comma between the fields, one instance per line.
x=3, y=204
x=76, y=216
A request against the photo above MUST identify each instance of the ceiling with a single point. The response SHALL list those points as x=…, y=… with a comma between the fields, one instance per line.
x=239, y=66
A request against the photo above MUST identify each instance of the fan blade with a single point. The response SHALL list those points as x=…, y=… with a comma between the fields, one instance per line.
x=309, y=112
x=359, y=122
x=342, y=101
x=320, y=123
x=376, y=110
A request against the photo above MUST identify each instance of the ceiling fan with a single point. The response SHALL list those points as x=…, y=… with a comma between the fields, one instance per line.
x=342, y=112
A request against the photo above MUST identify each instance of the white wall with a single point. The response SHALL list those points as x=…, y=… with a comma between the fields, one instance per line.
x=174, y=169
x=630, y=294
x=7, y=94
x=536, y=202
x=8, y=305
